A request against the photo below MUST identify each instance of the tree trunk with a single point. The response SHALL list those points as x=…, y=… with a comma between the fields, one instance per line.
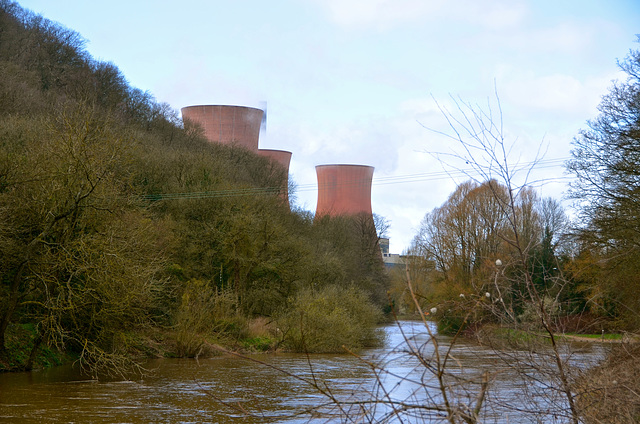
x=10, y=306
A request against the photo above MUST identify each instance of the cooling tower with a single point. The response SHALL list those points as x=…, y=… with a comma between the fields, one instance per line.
x=344, y=189
x=283, y=158
x=234, y=125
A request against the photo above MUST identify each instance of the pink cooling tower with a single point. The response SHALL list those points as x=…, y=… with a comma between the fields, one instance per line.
x=280, y=156
x=344, y=189
x=234, y=125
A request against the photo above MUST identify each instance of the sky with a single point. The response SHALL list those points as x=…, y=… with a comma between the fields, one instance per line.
x=366, y=81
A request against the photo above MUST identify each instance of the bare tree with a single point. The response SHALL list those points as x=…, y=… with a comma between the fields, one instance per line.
x=482, y=145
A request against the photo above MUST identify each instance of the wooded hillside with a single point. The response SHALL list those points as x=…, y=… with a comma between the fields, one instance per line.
x=116, y=223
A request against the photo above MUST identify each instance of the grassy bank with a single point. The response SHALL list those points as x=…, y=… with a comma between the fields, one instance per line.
x=504, y=337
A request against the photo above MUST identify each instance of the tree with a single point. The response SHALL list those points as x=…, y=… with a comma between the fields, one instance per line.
x=606, y=164
x=354, y=242
x=80, y=259
x=464, y=234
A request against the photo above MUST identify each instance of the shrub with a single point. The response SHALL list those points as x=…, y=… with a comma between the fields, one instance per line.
x=531, y=312
x=259, y=344
x=202, y=311
x=451, y=323
x=329, y=319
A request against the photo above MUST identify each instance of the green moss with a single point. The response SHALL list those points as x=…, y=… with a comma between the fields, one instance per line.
x=19, y=343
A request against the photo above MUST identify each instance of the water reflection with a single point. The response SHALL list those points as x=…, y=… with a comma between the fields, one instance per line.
x=275, y=388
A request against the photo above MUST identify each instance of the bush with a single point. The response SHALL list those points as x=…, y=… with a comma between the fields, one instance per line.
x=20, y=339
x=530, y=315
x=330, y=319
x=451, y=323
x=200, y=314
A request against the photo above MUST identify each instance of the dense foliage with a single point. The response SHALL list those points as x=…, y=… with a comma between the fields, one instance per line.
x=117, y=223
x=606, y=162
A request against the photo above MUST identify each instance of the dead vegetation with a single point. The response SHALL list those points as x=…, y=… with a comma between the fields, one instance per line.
x=610, y=392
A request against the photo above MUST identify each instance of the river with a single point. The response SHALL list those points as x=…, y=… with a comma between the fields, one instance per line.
x=287, y=388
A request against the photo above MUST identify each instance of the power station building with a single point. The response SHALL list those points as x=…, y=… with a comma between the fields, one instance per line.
x=283, y=157
x=391, y=260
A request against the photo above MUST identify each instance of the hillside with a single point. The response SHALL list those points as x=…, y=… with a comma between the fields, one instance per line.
x=120, y=229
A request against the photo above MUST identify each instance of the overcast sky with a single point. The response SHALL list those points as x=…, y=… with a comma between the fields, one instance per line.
x=356, y=81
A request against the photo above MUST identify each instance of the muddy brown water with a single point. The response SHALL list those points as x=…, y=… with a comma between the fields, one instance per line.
x=280, y=387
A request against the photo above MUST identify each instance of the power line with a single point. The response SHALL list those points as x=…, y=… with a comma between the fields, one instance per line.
x=397, y=179
x=216, y=193
x=443, y=175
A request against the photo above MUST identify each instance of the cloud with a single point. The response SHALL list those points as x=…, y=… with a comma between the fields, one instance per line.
x=378, y=13
x=497, y=15
x=563, y=38
x=554, y=98
x=367, y=141
x=553, y=93
x=385, y=14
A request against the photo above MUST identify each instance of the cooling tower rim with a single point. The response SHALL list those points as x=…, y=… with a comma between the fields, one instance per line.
x=345, y=165
x=274, y=150
x=226, y=106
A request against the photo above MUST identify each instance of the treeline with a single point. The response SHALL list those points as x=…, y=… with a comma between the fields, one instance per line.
x=509, y=256
x=118, y=226
x=482, y=248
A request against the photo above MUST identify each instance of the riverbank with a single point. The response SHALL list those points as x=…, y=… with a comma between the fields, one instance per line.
x=256, y=338
x=602, y=338
x=506, y=337
x=157, y=343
